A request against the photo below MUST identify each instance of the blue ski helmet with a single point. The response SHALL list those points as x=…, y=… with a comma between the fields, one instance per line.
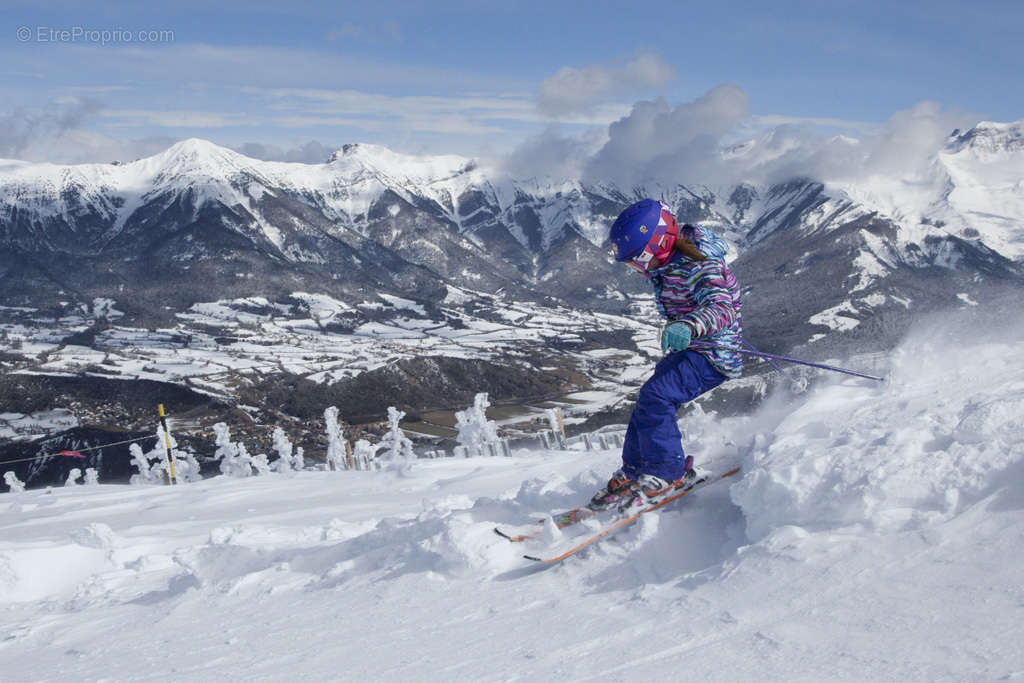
x=644, y=232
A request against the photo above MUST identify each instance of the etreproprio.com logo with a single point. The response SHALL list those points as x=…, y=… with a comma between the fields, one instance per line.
x=98, y=36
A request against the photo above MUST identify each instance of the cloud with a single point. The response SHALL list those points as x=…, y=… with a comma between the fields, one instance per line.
x=178, y=118
x=575, y=90
x=677, y=144
x=312, y=152
x=456, y=114
x=550, y=153
x=79, y=146
x=23, y=127
x=901, y=148
x=715, y=141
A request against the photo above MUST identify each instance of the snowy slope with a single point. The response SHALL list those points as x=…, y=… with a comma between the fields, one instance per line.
x=875, y=534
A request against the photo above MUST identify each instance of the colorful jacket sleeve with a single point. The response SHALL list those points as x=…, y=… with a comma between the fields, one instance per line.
x=716, y=309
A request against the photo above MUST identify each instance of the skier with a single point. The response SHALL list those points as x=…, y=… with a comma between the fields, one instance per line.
x=698, y=294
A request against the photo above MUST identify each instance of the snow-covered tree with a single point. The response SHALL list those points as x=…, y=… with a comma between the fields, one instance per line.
x=92, y=477
x=363, y=455
x=259, y=462
x=395, y=445
x=73, y=476
x=153, y=467
x=474, y=429
x=186, y=467
x=146, y=473
x=283, y=447
x=335, y=441
x=235, y=460
x=299, y=459
x=13, y=483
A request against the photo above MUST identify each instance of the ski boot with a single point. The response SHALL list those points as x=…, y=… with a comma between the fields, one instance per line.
x=617, y=493
x=651, y=487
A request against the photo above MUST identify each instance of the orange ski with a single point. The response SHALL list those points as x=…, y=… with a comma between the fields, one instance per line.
x=625, y=521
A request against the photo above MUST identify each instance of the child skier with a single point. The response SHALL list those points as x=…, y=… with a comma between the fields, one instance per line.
x=698, y=294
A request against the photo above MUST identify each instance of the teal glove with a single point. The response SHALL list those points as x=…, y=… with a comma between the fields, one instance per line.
x=676, y=336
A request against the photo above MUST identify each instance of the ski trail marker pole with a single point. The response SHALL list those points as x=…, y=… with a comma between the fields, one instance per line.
x=167, y=443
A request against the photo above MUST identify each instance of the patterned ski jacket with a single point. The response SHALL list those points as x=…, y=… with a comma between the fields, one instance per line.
x=704, y=295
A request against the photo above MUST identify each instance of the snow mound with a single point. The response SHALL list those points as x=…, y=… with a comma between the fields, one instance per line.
x=940, y=435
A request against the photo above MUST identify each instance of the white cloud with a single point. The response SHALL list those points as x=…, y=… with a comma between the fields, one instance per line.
x=469, y=115
x=715, y=141
x=679, y=144
x=575, y=90
x=77, y=146
x=312, y=152
x=901, y=148
x=179, y=118
x=551, y=153
x=23, y=127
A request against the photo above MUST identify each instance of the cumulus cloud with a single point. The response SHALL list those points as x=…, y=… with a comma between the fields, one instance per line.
x=658, y=141
x=714, y=141
x=575, y=90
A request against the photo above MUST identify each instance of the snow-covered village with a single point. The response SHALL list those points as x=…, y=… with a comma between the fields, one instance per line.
x=511, y=341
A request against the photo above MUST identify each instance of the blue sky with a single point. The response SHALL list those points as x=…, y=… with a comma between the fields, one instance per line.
x=477, y=77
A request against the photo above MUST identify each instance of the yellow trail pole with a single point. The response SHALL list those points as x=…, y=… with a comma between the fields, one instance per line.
x=348, y=455
x=167, y=443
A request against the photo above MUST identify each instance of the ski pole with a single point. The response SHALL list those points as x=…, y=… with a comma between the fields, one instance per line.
x=772, y=356
x=770, y=361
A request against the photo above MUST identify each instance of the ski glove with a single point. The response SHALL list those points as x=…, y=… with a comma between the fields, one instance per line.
x=676, y=336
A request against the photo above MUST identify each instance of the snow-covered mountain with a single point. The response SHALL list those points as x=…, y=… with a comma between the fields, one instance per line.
x=200, y=222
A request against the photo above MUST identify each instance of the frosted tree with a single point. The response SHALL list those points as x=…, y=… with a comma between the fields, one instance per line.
x=395, y=444
x=186, y=467
x=13, y=483
x=299, y=459
x=335, y=441
x=153, y=467
x=363, y=456
x=146, y=473
x=235, y=460
x=73, y=476
x=92, y=477
x=474, y=429
x=283, y=447
x=258, y=462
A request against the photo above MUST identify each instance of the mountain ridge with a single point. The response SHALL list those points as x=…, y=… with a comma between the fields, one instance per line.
x=371, y=220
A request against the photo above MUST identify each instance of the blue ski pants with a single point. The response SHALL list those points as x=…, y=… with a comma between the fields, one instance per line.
x=653, y=441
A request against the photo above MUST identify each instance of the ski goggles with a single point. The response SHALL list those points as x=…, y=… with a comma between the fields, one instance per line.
x=647, y=260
